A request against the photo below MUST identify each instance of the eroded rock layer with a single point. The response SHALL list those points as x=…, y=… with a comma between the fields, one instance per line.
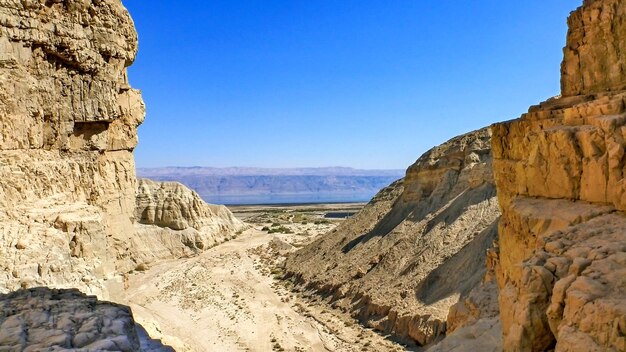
x=42, y=319
x=68, y=119
x=173, y=221
x=559, y=172
x=395, y=265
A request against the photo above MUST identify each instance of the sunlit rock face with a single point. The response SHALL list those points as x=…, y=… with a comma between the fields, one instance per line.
x=595, y=53
x=68, y=191
x=68, y=120
x=559, y=172
x=173, y=221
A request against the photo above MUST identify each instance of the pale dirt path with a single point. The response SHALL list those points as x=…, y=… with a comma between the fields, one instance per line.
x=221, y=301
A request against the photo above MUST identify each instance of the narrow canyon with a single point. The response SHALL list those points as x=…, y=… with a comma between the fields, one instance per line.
x=507, y=238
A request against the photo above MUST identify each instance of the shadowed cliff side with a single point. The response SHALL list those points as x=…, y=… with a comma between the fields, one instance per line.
x=559, y=171
x=396, y=264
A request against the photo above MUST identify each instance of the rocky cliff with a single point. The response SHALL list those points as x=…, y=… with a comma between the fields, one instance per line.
x=559, y=171
x=67, y=176
x=68, y=203
x=68, y=122
x=395, y=265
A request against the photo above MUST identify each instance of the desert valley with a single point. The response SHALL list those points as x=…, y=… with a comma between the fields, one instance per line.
x=511, y=237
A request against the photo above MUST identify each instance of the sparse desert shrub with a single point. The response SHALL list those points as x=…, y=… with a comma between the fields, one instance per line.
x=280, y=229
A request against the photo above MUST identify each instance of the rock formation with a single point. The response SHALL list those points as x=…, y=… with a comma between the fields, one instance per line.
x=181, y=221
x=396, y=264
x=559, y=172
x=68, y=119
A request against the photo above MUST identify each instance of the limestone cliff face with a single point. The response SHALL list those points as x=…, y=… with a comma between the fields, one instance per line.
x=559, y=172
x=42, y=319
x=68, y=119
x=68, y=122
x=395, y=265
x=595, y=53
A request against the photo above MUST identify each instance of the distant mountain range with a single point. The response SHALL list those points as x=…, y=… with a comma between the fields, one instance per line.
x=246, y=185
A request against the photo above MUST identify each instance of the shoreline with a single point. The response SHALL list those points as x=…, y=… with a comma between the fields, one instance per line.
x=293, y=205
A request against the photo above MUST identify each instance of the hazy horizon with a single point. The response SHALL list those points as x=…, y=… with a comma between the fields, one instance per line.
x=265, y=168
x=277, y=185
x=365, y=84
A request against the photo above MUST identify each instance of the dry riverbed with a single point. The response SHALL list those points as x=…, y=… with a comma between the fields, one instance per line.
x=230, y=298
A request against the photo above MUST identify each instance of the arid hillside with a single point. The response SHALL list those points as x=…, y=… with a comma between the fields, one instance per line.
x=418, y=248
x=508, y=238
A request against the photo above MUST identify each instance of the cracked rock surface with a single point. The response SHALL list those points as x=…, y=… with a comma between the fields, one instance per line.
x=42, y=319
x=559, y=172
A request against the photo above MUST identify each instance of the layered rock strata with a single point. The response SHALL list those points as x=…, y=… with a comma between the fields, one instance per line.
x=395, y=265
x=173, y=221
x=68, y=121
x=559, y=171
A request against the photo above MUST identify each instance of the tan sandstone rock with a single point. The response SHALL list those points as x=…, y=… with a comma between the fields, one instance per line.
x=559, y=171
x=68, y=119
x=173, y=221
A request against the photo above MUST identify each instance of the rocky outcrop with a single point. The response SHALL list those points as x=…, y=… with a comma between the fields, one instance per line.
x=42, y=319
x=68, y=119
x=172, y=205
x=177, y=222
x=595, y=53
x=559, y=171
x=395, y=265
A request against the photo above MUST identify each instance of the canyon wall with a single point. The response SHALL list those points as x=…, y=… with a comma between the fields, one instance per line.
x=68, y=122
x=69, y=198
x=559, y=172
x=395, y=264
x=71, y=211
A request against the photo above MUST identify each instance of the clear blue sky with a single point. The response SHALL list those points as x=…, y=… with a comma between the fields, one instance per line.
x=361, y=83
